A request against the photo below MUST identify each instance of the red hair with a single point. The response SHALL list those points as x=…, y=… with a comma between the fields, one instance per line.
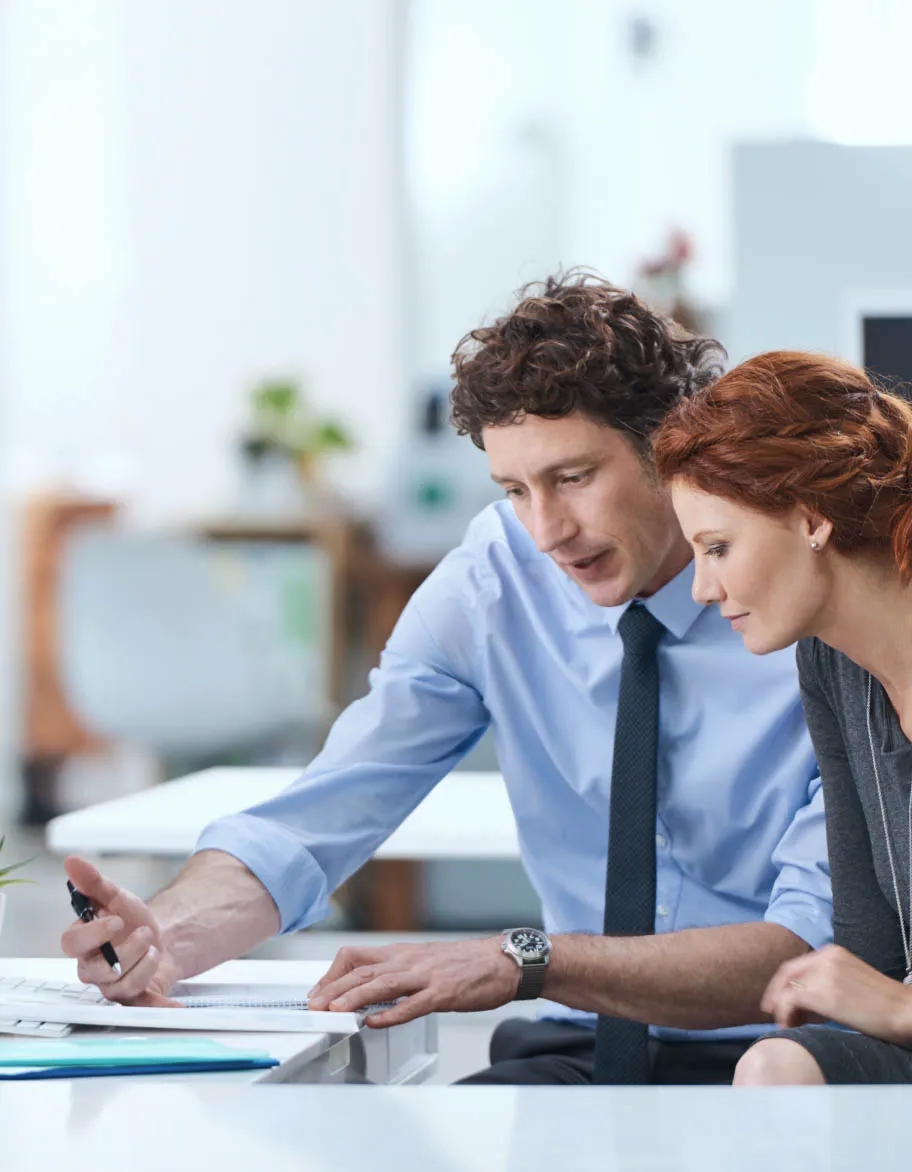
x=788, y=429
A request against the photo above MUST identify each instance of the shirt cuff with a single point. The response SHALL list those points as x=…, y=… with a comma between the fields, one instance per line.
x=287, y=870
x=812, y=925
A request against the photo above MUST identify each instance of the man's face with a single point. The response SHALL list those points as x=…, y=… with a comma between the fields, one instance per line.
x=590, y=502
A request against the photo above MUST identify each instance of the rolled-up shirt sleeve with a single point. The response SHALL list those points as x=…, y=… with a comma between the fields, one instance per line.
x=385, y=753
x=801, y=899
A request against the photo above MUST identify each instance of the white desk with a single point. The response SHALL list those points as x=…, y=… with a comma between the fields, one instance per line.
x=451, y=1129
x=400, y=1055
x=466, y=816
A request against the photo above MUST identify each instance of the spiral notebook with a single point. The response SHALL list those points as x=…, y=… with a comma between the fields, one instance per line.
x=200, y=995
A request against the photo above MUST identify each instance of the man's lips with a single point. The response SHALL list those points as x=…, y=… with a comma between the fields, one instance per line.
x=733, y=618
x=581, y=563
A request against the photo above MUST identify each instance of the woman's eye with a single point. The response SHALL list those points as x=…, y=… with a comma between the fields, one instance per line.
x=717, y=551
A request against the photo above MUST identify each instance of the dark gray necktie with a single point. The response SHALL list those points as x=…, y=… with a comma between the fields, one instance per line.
x=621, y=1047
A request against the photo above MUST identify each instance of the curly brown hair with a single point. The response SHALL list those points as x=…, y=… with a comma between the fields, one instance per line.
x=577, y=343
x=789, y=429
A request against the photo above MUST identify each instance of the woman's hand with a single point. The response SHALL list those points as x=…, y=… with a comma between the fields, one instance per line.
x=834, y=985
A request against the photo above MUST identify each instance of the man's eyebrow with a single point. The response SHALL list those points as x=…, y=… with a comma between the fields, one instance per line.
x=552, y=469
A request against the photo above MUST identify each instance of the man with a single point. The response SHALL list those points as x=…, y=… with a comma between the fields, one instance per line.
x=646, y=715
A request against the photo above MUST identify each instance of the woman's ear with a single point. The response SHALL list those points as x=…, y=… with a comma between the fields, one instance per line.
x=819, y=531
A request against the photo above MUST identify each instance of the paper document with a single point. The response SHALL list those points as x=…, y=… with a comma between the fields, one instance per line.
x=210, y=1007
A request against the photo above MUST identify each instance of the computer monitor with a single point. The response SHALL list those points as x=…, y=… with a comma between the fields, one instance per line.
x=880, y=335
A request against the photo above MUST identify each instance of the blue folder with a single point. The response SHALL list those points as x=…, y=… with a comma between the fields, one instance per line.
x=145, y=1068
x=112, y=1054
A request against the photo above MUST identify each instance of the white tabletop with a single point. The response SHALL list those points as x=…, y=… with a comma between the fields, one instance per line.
x=451, y=1129
x=242, y=972
x=401, y=1054
x=466, y=816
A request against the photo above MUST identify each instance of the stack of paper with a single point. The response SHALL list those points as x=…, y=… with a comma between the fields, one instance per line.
x=213, y=1008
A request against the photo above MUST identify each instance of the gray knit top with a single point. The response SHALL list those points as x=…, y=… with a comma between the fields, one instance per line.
x=834, y=691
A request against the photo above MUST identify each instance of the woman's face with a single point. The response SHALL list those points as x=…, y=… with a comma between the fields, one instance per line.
x=760, y=569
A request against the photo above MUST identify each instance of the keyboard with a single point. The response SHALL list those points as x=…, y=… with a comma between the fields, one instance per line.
x=25, y=991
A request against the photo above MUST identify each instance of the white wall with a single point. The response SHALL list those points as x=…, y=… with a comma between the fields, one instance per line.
x=200, y=194
x=818, y=226
x=649, y=139
x=536, y=137
x=193, y=194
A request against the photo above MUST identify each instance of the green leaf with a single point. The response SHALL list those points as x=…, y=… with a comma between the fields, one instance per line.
x=331, y=435
x=4, y=871
x=276, y=398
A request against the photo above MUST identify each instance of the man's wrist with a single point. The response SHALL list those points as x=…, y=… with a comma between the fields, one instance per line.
x=578, y=966
x=559, y=965
x=508, y=967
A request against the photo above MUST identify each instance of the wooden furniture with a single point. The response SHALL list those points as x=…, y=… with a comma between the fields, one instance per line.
x=51, y=730
x=346, y=542
x=364, y=584
x=366, y=581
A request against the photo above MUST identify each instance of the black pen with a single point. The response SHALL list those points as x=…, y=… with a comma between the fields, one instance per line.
x=83, y=908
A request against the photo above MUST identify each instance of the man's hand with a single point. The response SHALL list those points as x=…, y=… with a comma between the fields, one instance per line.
x=834, y=985
x=121, y=919
x=464, y=975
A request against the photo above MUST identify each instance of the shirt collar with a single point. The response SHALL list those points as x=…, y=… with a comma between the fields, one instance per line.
x=673, y=605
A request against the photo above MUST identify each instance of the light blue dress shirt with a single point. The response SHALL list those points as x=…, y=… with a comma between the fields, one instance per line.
x=498, y=635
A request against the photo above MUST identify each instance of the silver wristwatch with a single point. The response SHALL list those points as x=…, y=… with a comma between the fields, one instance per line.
x=531, y=949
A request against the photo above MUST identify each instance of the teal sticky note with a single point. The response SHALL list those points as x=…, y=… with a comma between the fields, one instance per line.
x=111, y=1050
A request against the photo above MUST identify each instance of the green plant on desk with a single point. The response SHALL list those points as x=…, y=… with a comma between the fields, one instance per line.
x=282, y=422
x=5, y=872
x=5, y=880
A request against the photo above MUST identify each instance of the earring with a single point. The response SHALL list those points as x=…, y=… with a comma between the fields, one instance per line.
x=815, y=545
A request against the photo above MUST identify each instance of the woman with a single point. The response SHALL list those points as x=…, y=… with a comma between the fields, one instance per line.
x=792, y=479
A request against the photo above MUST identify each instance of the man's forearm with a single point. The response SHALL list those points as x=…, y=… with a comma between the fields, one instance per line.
x=700, y=978
x=215, y=910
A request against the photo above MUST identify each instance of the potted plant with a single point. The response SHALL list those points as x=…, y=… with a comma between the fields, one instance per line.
x=5, y=881
x=283, y=426
x=662, y=283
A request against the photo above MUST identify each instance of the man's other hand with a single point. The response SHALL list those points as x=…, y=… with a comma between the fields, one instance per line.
x=461, y=976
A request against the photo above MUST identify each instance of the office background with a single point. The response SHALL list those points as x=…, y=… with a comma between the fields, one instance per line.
x=201, y=199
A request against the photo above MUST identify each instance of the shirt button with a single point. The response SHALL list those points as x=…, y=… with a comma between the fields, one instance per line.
x=661, y=841
x=662, y=910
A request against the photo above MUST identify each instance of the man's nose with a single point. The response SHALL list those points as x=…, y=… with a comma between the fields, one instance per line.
x=550, y=527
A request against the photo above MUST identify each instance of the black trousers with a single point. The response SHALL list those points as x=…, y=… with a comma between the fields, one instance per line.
x=551, y=1053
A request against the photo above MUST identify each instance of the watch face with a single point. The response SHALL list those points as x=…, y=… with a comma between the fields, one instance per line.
x=528, y=941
